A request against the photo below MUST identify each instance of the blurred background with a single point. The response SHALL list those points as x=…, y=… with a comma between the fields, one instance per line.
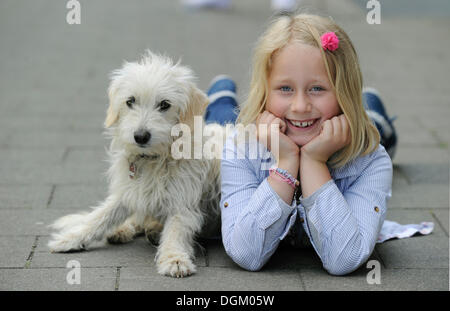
x=50, y=67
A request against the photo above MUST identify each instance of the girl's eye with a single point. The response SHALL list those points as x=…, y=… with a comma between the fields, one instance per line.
x=130, y=101
x=164, y=105
x=286, y=89
x=317, y=89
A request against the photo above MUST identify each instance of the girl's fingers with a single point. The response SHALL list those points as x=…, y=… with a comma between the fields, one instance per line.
x=282, y=126
x=269, y=119
x=261, y=118
x=276, y=125
x=337, y=128
x=345, y=128
x=327, y=129
x=266, y=118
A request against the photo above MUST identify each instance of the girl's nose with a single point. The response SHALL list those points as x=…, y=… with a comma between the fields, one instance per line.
x=301, y=104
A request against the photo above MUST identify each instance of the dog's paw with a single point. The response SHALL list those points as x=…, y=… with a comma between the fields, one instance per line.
x=175, y=265
x=152, y=230
x=123, y=234
x=61, y=243
x=152, y=236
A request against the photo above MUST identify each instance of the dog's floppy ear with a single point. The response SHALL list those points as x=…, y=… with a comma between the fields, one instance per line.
x=112, y=114
x=196, y=106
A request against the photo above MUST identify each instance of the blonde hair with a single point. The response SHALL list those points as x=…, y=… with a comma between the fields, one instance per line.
x=343, y=70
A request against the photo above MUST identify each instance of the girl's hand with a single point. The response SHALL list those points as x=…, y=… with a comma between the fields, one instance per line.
x=287, y=149
x=335, y=135
x=287, y=152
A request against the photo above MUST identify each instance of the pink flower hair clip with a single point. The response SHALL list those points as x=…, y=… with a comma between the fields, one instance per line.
x=330, y=41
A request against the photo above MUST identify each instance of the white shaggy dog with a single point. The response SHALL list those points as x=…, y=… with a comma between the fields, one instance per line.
x=173, y=199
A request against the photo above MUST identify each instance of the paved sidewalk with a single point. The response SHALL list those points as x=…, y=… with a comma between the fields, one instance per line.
x=53, y=81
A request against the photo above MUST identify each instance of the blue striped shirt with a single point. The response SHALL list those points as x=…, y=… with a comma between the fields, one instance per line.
x=342, y=219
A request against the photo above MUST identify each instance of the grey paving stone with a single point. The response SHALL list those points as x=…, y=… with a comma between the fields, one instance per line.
x=411, y=190
x=210, y=278
x=391, y=280
x=137, y=253
x=440, y=120
x=50, y=138
x=399, y=180
x=410, y=156
x=422, y=114
x=442, y=217
x=24, y=196
x=5, y=138
x=27, y=222
x=63, y=104
x=434, y=8
x=89, y=174
x=83, y=165
x=410, y=134
x=91, y=279
x=15, y=251
x=78, y=196
x=419, y=252
x=29, y=166
x=53, y=165
x=442, y=133
x=216, y=255
x=423, y=195
x=426, y=173
x=34, y=122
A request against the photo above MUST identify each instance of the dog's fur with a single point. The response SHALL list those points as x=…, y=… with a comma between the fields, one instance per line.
x=172, y=200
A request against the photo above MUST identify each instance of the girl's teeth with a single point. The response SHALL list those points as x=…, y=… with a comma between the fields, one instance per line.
x=302, y=124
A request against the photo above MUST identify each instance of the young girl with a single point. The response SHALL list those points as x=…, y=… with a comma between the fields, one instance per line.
x=332, y=179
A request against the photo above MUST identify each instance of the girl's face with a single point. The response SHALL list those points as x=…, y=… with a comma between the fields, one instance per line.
x=300, y=93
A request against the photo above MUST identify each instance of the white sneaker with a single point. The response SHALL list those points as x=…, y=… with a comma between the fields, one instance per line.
x=284, y=5
x=213, y=4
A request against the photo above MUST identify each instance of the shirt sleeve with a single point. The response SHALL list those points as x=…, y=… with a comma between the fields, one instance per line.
x=343, y=227
x=254, y=217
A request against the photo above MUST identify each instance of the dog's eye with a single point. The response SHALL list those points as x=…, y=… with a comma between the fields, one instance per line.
x=130, y=101
x=164, y=105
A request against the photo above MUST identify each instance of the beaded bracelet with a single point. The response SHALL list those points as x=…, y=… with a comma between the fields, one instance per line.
x=285, y=179
x=285, y=176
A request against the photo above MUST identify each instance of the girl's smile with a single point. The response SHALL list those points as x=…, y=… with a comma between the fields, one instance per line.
x=302, y=125
x=299, y=91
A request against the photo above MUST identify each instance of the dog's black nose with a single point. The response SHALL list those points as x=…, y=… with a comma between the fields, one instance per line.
x=142, y=137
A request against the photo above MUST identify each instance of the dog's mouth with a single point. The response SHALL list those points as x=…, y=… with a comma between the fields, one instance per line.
x=144, y=151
